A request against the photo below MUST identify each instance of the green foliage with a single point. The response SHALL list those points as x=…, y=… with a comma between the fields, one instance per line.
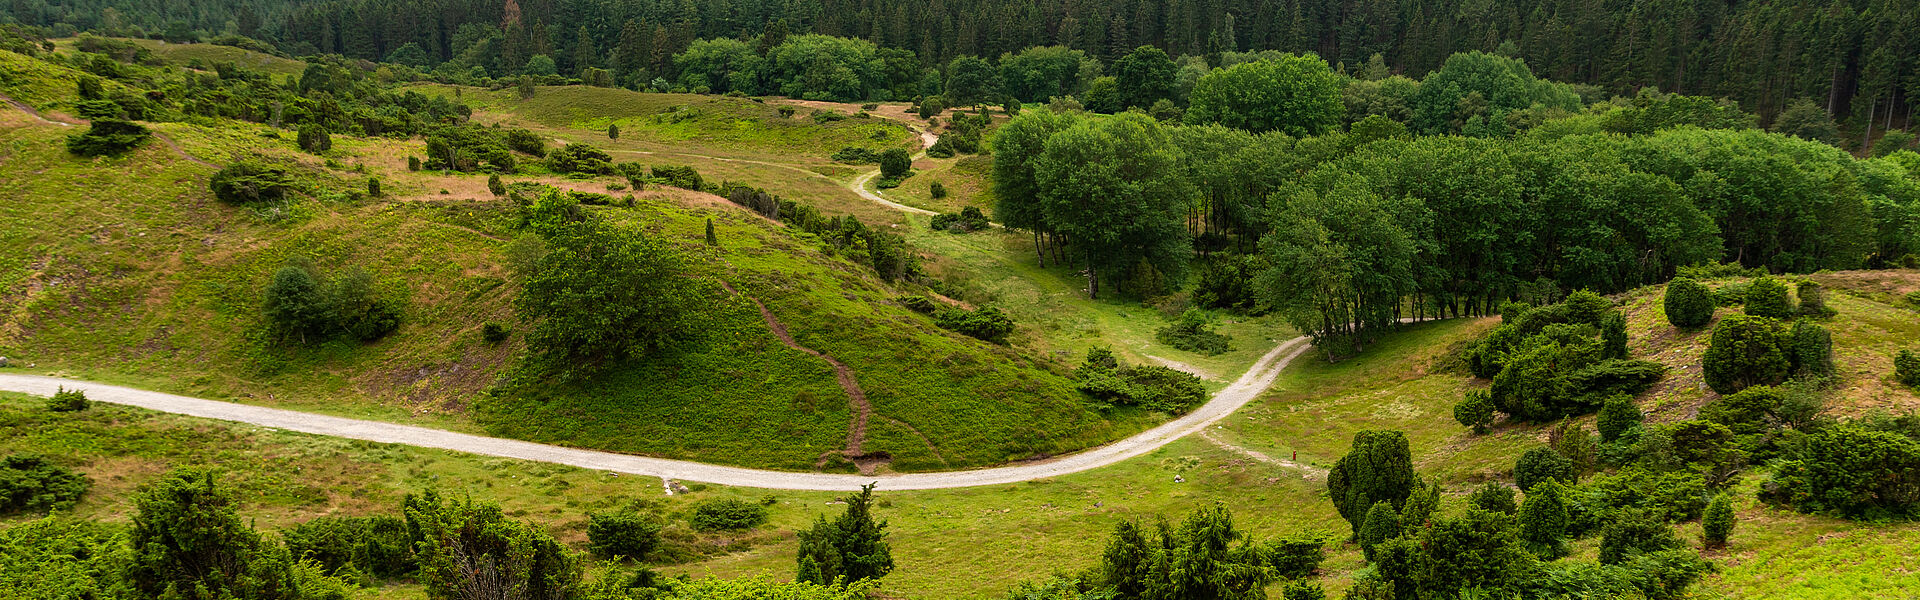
x=248, y=182
x=1192, y=332
x=1493, y=497
x=1613, y=336
x=314, y=138
x=683, y=177
x=849, y=549
x=526, y=142
x=301, y=306
x=1377, y=468
x=494, y=332
x=600, y=293
x=580, y=159
x=1113, y=186
x=1153, y=387
x=613, y=131
x=1618, y=415
x=1585, y=306
x=856, y=155
x=495, y=186
x=413, y=164
x=296, y=304
x=1717, y=525
x=1850, y=471
x=1296, y=557
x=1906, y=368
x=1382, y=524
x=968, y=219
x=373, y=187
x=1204, y=557
x=1475, y=91
x=990, y=324
x=469, y=148
x=189, y=543
x=1303, y=590
x=1806, y=119
x=623, y=534
x=378, y=545
x=1767, y=297
x=1297, y=95
x=895, y=163
x=1635, y=532
x=66, y=400
x=1544, y=521
x=1810, y=349
x=466, y=547
x=1745, y=351
x=108, y=137
x=939, y=190
x=711, y=239
x=1813, y=300
x=728, y=514
x=1675, y=494
x=1539, y=465
x=31, y=483
x=1475, y=410
x=1687, y=303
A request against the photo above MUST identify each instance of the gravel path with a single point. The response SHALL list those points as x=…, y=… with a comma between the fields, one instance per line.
x=1243, y=390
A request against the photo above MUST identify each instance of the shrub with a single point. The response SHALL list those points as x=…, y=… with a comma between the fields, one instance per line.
x=1295, y=590
x=301, y=306
x=856, y=155
x=1718, y=522
x=1585, y=306
x=988, y=323
x=1377, y=467
x=1813, y=300
x=785, y=110
x=495, y=186
x=1493, y=497
x=822, y=116
x=1732, y=294
x=1688, y=304
x=1617, y=416
x=30, y=482
x=66, y=400
x=941, y=148
x=919, y=304
x=613, y=131
x=413, y=163
x=1906, y=368
x=683, y=177
x=1679, y=495
x=895, y=163
x=1475, y=410
x=108, y=137
x=728, y=514
x=249, y=182
x=314, y=139
x=296, y=303
x=1744, y=351
x=1767, y=297
x=494, y=333
x=525, y=142
x=938, y=191
x=1382, y=524
x=1811, y=349
x=1634, y=532
x=191, y=543
x=1193, y=332
x=852, y=548
x=1852, y=471
x=1152, y=387
x=625, y=534
x=373, y=187
x=1296, y=557
x=1541, y=464
x=602, y=292
x=1543, y=520
x=376, y=545
x=1613, y=336
x=580, y=159
x=466, y=545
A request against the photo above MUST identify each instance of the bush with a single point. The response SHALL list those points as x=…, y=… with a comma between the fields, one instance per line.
x=1732, y=294
x=1193, y=332
x=66, y=400
x=1493, y=497
x=373, y=187
x=1152, y=387
x=1852, y=471
x=602, y=293
x=314, y=139
x=852, y=548
x=856, y=155
x=495, y=186
x=494, y=333
x=1543, y=520
x=1745, y=351
x=1679, y=495
x=613, y=131
x=580, y=159
x=785, y=110
x=1382, y=524
x=1813, y=300
x=1767, y=297
x=941, y=148
x=1633, y=532
x=1810, y=349
x=1296, y=557
x=301, y=306
x=413, y=163
x=378, y=545
x=967, y=220
x=1377, y=467
x=895, y=163
x=728, y=514
x=988, y=323
x=1718, y=523
x=919, y=304
x=1475, y=410
x=297, y=305
x=683, y=177
x=1688, y=304
x=1542, y=464
x=1613, y=336
x=1585, y=306
x=1906, y=368
x=1618, y=415
x=108, y=137
x=525, y=142
x=823, y=117
x=466, y=545
x=191, y=543
x=249, y=182
x=622, y=534
x=29, y=482
x=938, y=191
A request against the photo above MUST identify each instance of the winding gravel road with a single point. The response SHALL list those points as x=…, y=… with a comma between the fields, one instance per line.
x=1249, y=386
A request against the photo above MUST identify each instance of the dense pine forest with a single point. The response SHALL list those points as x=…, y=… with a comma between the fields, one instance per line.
x=1854, y=58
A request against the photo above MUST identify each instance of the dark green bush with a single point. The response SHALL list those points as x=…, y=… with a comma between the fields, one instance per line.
x=469, y=148
x=1382, y=524
x=988, y=323
x=919, y=304
x=1678, y=495
x=1542, y=464
x=625, y=534
x=580, y=159
x=856, y=155
x=1493, y=497
x=494, y=333
x=300, y=305
x=1810, y=349
x=377, y=545
x=1745, y=351
x=728, y=514
x=108, y=137
x=249, y=182
x=683, y=177
x=1851, y=471
x=314, y=139
x=1906, y=368
x=1813, y=300
x=1732, y=294
x=66, y=400
x=1296, y=557
x=1718, y=522
x=1475, y=410
x=1634, y=532
x=30, y=482
x=413, y=163
x=525, y=142
x=1585, y=306
x=1193, y=332
x=1767, y=297
x=1153, y=387
x=895, y=163
x=1617, y=415
x=1687, y=304
x=938, y=191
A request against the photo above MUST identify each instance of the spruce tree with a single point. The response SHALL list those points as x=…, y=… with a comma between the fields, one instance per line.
x=711, y=240
x=1635, y=531
x=1717, y=524
x=1377, y=468
x=189, y=542
x=1811, y=349
x=851, y=548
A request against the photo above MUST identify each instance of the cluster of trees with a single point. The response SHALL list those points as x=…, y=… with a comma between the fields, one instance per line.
x=1553, y=361
x=1501, y=547
x=303, y=305
x=1110, y=383
x=987, y=323
x=1205, y=556
x=884, y=251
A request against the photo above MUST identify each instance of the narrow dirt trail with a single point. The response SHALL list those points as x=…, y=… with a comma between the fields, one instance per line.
x=1307, y=471
x=31, y=112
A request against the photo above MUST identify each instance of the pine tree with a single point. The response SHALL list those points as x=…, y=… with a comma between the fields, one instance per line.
x=1717, y=524
x=849, y=549
x=584, y=55
x=1543, y=520
x=1613, y=332
x=711, y=240
x=1378, y=468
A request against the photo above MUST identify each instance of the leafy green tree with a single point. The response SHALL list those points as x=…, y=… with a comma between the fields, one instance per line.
x=1767, y=297
x=1127, y=563
x=1303, y=590
x=711, y=239
x=1378, y=468
x=1113, y=187
x=472, y=550
x=1475, y=549
x=613, y=131
x=1041, y=72
x=1493, y=497
x=297, y=304
x=1634, y=532
x=1616, y=417
x=1487, y=86
x=1717, y=525
x=970, y=81
x=1745, y=351
x=852, y=548
x=409, y=54
x=1143, y=76
x=540, y=64
x=625, y=533
x=1017, y=148
x=1340, y=265
x=1543, y=520
x=1687, y=303
x=1475, y=410
x=1382, y=524
x=600, y=293
x=1104, y=96
x=1206, y=557
x=1298, y=95
x=1540, y=465
x=190, y=544
x=1805, y=119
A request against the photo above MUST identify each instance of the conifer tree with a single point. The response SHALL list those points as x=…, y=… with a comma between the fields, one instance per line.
x=851, y=548
x=1378, y=468
x=1717, y=524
